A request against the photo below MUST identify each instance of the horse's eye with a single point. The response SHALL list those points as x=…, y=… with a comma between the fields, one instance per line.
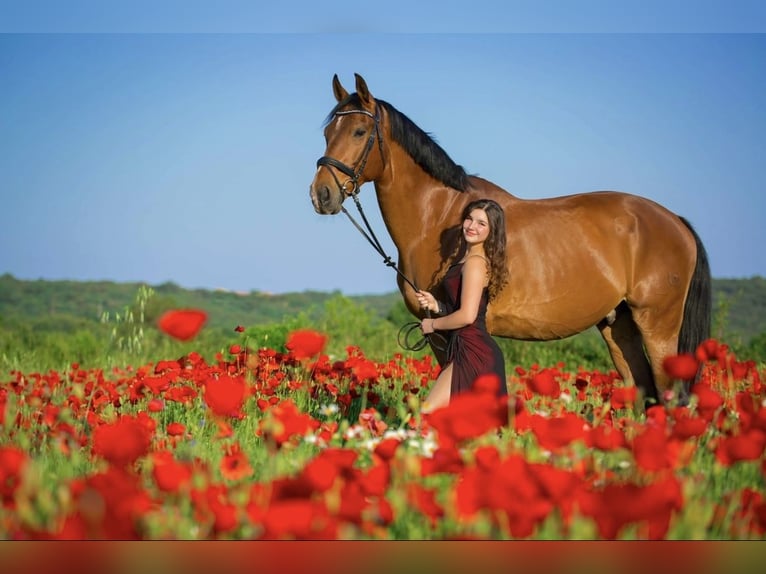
x=359, y=132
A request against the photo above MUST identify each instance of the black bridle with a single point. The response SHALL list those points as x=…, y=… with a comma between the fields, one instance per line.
x=354, y=173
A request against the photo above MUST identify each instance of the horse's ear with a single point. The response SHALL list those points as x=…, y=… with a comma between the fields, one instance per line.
x=361, y=89
x=339, y=91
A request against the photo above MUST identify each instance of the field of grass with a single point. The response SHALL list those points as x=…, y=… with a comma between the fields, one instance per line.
x=311, y=429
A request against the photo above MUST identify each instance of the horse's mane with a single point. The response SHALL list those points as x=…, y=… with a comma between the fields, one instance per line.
x=419, y=145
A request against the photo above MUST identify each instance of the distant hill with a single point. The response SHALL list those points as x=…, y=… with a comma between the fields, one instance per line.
x=740, y=304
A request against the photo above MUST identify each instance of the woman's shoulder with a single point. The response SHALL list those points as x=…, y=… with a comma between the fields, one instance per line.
x=475, y=258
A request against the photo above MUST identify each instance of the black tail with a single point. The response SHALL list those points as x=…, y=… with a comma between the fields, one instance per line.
x=698, y=308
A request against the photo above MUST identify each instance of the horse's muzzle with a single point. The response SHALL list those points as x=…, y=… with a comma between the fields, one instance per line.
x=325, y=201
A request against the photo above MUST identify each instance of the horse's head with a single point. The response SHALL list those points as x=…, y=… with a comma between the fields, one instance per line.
x=352, y=129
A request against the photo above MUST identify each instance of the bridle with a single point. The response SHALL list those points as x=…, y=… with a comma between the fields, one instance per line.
x=354, y=173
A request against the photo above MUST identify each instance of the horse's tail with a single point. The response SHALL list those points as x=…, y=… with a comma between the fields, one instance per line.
x=698, y=307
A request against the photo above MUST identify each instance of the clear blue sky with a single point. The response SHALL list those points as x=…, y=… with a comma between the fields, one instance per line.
x=187, y=157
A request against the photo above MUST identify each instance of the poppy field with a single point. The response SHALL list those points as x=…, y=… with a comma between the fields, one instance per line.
x=267, y=444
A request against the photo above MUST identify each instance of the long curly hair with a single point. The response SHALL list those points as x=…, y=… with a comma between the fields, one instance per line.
x=494, y=245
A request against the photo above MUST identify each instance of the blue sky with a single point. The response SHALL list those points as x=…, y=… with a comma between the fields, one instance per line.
x=187, y=157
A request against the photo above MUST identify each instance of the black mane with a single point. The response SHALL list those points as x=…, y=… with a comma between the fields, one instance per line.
x=419, y=145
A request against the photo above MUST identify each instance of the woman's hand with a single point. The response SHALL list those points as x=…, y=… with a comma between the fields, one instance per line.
x=427, y=301
x=427, y=326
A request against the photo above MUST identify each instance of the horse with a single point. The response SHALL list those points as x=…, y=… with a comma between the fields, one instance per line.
x=620, y=262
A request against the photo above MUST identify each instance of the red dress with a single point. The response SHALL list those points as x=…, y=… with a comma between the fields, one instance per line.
x=472, y=350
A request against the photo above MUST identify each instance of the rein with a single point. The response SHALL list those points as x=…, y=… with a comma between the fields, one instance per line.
x=354, y=173
x=405, y=333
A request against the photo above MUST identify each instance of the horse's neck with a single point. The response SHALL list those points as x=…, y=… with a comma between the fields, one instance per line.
x=411, y=215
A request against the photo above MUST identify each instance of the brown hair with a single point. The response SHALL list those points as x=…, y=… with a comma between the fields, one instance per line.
x=494, y=245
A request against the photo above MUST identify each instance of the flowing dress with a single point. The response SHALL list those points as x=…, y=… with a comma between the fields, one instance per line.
x=472, y=350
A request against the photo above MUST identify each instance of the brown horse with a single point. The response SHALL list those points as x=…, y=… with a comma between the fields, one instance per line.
x=617, y=261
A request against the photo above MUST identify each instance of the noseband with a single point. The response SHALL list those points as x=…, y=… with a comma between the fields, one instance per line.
x=354, y=173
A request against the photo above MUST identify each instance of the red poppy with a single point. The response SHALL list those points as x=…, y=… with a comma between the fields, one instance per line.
x=155, y=405
x=544, y=383
x=709, y=350
x=468, y=416
x=182, y=324
x=606, y=438
x=305, y=343
x=239, y=329
x=235, y=465
x=650, y=449
x=169, y=474
x=176, y=429
x=298, y=519
x=213, y=500
x=225, y=395
x=686, y=426
x=444, y=459
x=286, y=422
x=122, y=442
x=112, y=504
x=320, y=473
x=708, y=400
x=12, y=462
x=386, y=448
x=556, y=432
x=619, y=505
x=623, y=397
x=749, y=445
x=424, y=499
x=683, y=366
x=375, y=481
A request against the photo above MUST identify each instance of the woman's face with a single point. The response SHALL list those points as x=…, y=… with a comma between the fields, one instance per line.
x=476, y=227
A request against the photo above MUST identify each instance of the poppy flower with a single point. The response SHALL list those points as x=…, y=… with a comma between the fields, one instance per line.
x=12, y=462
x=305, y=343
x=557, y=432
x=182, y=324
x=235, y=465
x=650, y=450
x=444, y=459
x=468, y=416
x=176, y=429
x=225, y=395
x=169, y=474
x=709, y=350
x=424, y=499
x=606, y=438
x=286, y=422
x=623, y=397
x=708, y=400
x=683, y=366
x=544, y=383
x=112, y=504
x=749, y=445
x=122, y=442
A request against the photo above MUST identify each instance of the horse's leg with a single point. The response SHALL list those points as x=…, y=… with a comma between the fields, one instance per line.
x=660, y=327
x=626, y=347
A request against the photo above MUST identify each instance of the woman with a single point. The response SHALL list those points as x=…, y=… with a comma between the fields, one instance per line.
x=476, y=278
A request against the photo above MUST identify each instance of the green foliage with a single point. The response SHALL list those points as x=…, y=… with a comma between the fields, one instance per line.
x=49, y=324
